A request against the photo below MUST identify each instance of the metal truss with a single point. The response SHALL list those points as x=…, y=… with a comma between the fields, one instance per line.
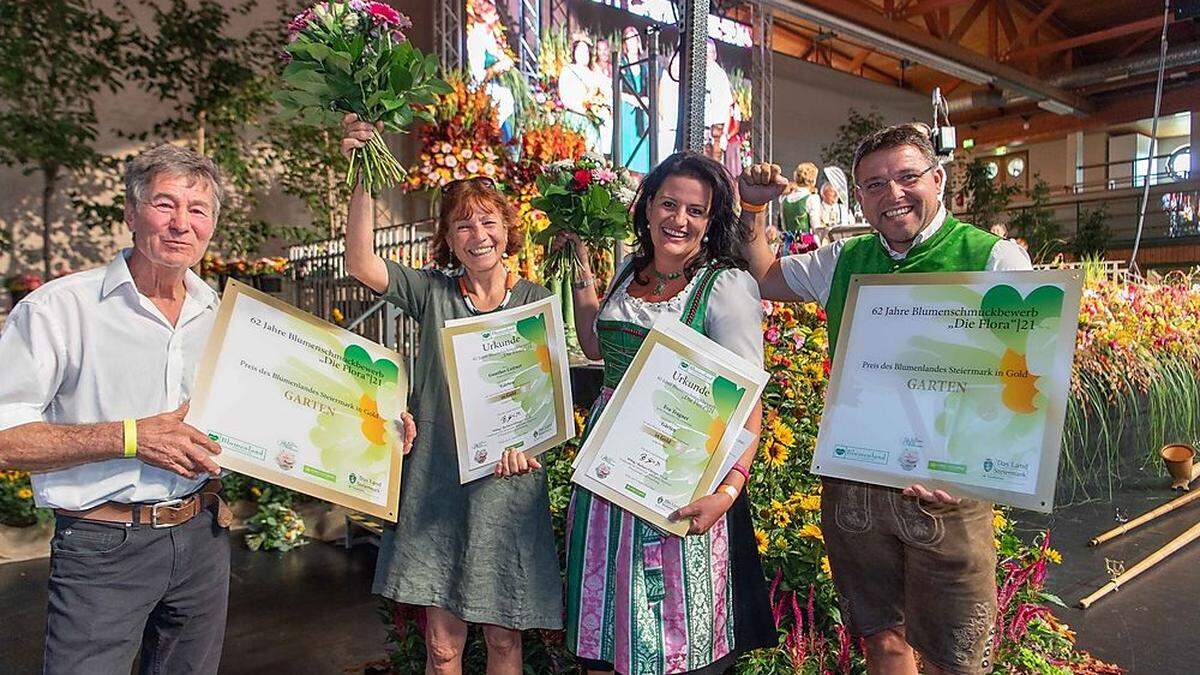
x=692, y=51
x=449, y=32
x=762, y=74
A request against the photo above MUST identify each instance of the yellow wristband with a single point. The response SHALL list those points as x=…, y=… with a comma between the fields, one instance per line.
x=130, y=437
x=754, y=208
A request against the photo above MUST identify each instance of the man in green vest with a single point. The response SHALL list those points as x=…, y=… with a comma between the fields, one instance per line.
x=913, y=568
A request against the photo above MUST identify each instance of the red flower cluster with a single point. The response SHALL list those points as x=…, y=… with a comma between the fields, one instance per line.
x=583, y=178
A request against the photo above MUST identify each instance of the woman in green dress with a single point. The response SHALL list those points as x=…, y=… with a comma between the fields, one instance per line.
x=481, y=552
x=639, y=601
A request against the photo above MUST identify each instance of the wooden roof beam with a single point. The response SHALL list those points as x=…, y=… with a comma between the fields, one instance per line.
x=1090, y=38
x=902, y=39
x=1030, y=29
x=926, y=7
x=973, y=12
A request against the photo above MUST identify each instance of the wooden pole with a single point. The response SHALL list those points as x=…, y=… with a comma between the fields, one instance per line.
x=1146, y=517
x=1146, y=563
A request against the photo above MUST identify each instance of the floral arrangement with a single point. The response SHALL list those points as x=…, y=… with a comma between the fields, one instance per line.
x=16, y=501
x=785, y=505
x=213, y=265
x=462, y=139
x=586, y=197
x=353, y=57
x=22, y=283
x=275, y=527
x=1137, y=366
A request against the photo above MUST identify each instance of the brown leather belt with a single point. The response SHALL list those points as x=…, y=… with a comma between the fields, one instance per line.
x=167, y=513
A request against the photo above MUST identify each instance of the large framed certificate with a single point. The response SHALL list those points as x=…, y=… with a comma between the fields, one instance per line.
x=302, y=403
x=672, y=421
x=510, y=387
x=957, y=381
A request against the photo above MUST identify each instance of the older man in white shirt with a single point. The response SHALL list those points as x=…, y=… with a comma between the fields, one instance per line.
x=98, y=368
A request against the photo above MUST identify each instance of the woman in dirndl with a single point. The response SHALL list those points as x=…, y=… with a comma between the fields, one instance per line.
x=639, y=601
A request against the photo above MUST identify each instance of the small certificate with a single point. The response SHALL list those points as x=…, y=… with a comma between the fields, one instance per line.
x=510, y=387
x=670, y=426
x=956, y=381
x=302, y=403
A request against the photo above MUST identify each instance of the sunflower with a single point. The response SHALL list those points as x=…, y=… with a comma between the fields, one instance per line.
x=999, y=522
x=810, y=502
x=813, y=531
x=26, y=493
x=776, y=454
x=783, y=433
x=780, y=513
x=761, y=539
x=1054, y=556
x=825, y=566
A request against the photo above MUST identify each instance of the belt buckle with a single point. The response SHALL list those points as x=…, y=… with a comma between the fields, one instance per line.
x=154, y=512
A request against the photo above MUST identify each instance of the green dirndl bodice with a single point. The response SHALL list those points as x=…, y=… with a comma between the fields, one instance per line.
x=640, y=601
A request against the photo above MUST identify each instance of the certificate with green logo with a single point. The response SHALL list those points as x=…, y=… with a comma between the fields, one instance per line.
x=662, y=440
x=956, y=381
x=510, y=387
x=302, y=403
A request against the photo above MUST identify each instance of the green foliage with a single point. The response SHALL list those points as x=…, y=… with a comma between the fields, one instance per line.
x=858, y=125
x=1091, y=231
x=309, y=166
x=344, y=61
x=1035, y=223
x=16, y=501
x=48, y=77
x=275, y=527
x=218, y=86
x=989, y=199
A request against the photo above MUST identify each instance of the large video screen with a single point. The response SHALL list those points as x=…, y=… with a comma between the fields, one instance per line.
x=575, y=78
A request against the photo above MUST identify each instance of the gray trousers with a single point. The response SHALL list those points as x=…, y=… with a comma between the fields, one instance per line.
x=120, y=590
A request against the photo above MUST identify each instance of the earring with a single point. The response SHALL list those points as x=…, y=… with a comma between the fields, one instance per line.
x=705, y=239
x=504, y=255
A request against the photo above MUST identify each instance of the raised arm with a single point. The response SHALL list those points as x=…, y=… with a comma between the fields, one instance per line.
x=758, y=185
x=584, y=295
x=362, y=262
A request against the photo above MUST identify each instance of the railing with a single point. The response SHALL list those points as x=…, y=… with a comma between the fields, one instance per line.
x=1129, y=173
x=324, y=288
x=1171, y=213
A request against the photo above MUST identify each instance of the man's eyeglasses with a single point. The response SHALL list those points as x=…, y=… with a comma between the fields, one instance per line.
x=904, y=180
x=455, y=184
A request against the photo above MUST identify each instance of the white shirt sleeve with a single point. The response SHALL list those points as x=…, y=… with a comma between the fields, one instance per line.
x=810, y=275
x=34, y=364
x=734, y=316
x=1008, y=255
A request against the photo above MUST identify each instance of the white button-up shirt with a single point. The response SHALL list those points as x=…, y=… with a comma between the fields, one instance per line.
x=90, y=348
x=810, y=275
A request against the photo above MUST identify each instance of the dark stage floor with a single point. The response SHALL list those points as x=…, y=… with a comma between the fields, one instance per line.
x=311, y=611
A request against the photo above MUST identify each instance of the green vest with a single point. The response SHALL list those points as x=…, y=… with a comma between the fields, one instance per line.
x=956, y=247
x=795, y=215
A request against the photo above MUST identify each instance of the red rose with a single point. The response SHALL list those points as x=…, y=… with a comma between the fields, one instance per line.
x=583, y=178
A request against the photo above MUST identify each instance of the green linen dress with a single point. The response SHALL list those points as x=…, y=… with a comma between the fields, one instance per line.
x=484, y=551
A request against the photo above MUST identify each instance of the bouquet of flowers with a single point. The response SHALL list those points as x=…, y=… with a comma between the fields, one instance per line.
x=353, y=57
x=586, y=197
